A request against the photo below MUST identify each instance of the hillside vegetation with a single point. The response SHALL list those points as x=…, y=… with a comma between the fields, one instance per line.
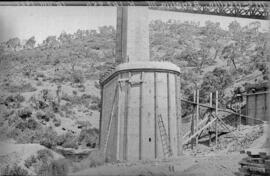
x=50, y=92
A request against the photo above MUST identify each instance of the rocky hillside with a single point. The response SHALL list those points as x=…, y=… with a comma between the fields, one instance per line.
x=50, y=95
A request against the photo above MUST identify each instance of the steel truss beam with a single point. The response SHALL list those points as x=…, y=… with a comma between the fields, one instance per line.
x=259, y=10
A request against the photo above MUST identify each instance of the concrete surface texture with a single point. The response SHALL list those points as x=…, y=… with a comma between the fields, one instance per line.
x=142, y=96
x=132, y=34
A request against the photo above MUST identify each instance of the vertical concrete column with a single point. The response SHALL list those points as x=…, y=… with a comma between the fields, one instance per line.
x=132, y=40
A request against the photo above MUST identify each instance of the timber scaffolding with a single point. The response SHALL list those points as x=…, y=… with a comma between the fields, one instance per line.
x=211, y=120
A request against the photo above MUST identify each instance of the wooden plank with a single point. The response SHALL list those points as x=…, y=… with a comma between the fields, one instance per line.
x=210, y=104
x=197, y=114
x=242, y=152
x=193, y=119
x=254, y=160
x=267, y=162
x=216, y=129
x=255, y=151
x=247, y=106
x=198, y=132
x=255, y=113
x=255, y=169
x=199, y=126
x=265, y=108
x=241, y=174
x=244, y=163
x=224, y=125
x=243, y=170
x=258, y=93
x=223, y=110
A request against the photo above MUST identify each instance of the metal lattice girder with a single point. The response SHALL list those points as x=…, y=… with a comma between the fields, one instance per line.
x=243, y=9
x=255, y=10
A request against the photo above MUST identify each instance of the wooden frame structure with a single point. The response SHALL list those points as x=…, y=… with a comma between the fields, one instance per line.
x=209, y=120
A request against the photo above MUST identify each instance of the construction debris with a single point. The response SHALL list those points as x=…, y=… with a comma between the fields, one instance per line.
x=257, y=163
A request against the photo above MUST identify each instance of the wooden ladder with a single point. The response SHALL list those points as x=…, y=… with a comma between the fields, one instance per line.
x=167, y=151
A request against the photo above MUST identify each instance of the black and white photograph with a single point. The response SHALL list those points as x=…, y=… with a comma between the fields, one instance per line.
x=134, y=88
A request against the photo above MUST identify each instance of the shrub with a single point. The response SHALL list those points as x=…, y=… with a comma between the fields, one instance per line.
x=89, y=137
x=13, y=101
x=32, y=124
x=97, y=85
x=26, y=136
x=58, y=167
x=81, y=88
x=71, y=144
x=66, y=97
x=38, y=104
x=43, y=169
x=44, y=155
x=47, y=137
x=41, y=75
x=21, y=88
x=15, y=170
x=55, y=107
x=24, y=113
x=22, y=125
x=95, y=99
x=96, y=158
x=56, y=122
x=83, y=124
x=19, y=98
x=46, y=116
x=86, y=96
x=40, y=115
x=74, y=92
x=13, y=119
x=39, y=83
x=49, y=115
x=94, y=107
x=77, y=77
x=67, y=140
x=29, y=161
x=56, y=61
x=13, y=133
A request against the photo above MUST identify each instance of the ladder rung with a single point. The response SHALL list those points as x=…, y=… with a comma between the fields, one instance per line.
x=164, y=138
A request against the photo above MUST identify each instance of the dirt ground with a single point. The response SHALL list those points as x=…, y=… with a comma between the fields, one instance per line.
x=219, y=164
x=201, y=163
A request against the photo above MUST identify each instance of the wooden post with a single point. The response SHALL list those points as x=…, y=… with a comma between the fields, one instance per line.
x=255, y=108
x=239, y=111
x=192, y=120
x=209, y=132
x=197, y=114
x=216, y=115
